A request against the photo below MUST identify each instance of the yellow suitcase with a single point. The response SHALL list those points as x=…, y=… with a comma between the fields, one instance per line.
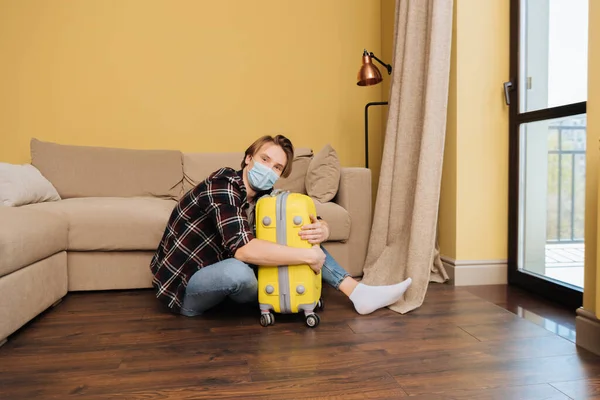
x=286, y=289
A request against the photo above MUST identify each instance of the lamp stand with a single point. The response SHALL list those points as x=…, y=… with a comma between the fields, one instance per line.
x=374, y=103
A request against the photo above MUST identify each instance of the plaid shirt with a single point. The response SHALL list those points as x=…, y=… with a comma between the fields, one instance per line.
x=208, y=225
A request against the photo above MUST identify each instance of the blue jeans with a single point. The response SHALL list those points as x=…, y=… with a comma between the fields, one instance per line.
x=333, y=273
x=236, y=280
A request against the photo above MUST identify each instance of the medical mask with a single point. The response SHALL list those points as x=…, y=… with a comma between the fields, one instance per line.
x=261, y=177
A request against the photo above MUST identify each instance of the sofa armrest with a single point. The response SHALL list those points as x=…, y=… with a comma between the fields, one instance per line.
x=354, y=195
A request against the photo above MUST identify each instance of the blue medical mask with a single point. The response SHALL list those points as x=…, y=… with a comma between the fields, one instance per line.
x=261, y=177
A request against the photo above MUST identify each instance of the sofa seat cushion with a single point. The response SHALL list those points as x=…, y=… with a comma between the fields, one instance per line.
x=337, y=218
x=111, y=223
x=28, y=236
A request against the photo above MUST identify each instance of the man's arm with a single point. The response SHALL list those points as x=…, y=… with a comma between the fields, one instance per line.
x=225, y=208
x=262, y=252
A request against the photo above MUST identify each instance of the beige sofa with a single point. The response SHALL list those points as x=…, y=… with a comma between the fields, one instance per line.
x=115, y=204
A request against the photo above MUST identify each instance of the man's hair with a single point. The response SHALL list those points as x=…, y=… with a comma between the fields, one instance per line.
x=280, y=141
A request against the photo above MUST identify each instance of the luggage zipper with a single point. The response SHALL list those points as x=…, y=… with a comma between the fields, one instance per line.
x=284, y=281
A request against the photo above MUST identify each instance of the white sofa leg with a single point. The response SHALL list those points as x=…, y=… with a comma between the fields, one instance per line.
x=3, y=341
x=57, y=302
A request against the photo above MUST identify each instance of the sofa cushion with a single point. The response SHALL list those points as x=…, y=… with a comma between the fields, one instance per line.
x=323, y=175
x=107, y=223
x=198, y=166
x=296, y=181
x=337, y=218
x=81, y=171
x=28, y=236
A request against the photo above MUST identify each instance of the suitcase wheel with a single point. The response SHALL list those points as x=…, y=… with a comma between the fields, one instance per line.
x=312, y=320
x=320, y=305
x=267, y=319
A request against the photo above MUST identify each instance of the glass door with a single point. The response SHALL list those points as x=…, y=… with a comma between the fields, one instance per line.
x=547, y=98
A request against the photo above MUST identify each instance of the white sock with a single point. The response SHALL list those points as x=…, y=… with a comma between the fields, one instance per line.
x=367, y=299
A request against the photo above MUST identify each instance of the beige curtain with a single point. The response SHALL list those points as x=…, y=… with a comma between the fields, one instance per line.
x=403, y=239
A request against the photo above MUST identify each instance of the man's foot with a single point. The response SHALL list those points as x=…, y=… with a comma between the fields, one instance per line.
x=367, y=299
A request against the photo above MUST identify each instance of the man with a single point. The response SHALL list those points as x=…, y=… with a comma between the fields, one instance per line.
x=208, y=247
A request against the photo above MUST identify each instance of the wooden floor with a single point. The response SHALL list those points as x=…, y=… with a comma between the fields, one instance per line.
x=122, y=345
x=558, y=319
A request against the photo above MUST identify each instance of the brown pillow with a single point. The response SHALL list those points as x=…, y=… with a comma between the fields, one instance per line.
x=323, y=175
x=295, y=182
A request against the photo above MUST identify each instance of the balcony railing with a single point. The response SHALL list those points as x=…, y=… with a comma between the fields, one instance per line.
x=566, y=183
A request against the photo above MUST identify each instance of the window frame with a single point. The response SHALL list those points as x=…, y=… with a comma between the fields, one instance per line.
x=565, y=294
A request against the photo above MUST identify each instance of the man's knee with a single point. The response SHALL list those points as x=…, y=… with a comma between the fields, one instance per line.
x=244, y=288
x=241, y=274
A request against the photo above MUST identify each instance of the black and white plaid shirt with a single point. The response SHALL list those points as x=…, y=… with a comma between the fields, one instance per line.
x=208, y=225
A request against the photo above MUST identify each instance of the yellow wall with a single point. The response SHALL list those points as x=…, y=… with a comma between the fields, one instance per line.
x=191, y=76
x=474, y=206
x=448, y=210
x=591, y=284
x=188, y=75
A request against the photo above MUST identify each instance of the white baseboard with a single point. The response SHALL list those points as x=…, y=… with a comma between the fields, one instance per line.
x=587, y=327
x=476, y=272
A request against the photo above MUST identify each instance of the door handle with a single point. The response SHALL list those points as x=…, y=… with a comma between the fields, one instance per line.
x=507, y=86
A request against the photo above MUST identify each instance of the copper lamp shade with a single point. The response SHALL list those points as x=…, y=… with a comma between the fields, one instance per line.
x=368, y=74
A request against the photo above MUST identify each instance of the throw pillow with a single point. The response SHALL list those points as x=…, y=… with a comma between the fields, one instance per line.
x=24, y=184
x=323, y=175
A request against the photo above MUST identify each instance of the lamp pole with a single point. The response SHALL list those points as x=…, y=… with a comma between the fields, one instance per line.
x=368, y=75
x=374, y=103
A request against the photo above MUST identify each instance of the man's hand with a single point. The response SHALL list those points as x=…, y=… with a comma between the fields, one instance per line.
x=317, y=259
x=316, y=232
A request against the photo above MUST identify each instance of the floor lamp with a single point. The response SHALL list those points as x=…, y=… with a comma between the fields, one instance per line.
x=369, y=75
